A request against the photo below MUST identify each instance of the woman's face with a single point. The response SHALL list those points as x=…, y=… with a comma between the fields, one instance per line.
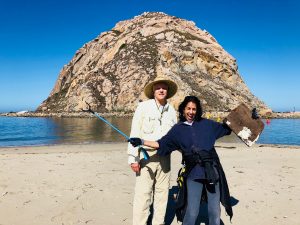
x=189, y=111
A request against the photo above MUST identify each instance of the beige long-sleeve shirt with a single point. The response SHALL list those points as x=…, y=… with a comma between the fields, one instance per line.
x=150, y=122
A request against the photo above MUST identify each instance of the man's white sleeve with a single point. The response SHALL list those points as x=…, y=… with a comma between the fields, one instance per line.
x=136, y=127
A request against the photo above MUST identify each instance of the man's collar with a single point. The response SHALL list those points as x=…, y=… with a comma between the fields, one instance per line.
x=165, y=107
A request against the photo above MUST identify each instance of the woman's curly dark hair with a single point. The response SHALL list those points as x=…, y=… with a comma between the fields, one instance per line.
x=183, y=104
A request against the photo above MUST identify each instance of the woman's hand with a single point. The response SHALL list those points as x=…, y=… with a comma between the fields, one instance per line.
x=134, y=141
x=254, y=114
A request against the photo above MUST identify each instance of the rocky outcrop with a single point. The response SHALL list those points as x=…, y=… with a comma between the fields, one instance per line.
x=111, y=71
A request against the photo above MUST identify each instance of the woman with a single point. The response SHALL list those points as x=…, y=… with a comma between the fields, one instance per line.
x=195, y=137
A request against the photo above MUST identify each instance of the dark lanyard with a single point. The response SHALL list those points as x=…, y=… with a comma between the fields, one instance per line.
x=161, y=112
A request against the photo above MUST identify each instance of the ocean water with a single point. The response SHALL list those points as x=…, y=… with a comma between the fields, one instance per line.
x=24, y=131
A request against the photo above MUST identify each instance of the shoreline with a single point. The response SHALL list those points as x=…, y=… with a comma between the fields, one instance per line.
x=218, y=144
x=93, y=184
x=274, y=115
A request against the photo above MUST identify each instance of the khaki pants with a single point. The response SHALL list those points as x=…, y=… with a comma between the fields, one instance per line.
x=152, y=186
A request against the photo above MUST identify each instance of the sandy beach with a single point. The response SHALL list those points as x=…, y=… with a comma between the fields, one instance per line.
x=92, y=184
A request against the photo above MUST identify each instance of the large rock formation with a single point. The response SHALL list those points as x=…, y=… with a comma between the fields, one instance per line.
x=111, y=71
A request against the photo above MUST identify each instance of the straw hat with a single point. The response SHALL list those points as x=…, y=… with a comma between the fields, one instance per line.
x=172, y=87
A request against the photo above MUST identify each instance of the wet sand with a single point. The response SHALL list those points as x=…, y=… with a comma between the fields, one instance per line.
x=92, y=184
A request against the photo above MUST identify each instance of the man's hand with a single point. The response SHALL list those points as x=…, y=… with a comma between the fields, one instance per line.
x=135, y=167
x=134, y=141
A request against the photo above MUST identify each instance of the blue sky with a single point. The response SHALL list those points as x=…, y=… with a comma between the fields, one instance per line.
x=38, y=37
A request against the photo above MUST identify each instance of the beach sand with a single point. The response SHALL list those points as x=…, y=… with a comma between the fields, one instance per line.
x=92, y=184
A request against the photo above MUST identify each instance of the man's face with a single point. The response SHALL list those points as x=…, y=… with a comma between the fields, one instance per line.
x=160, y=91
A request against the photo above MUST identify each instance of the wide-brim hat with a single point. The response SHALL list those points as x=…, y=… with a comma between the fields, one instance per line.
x=172, y=87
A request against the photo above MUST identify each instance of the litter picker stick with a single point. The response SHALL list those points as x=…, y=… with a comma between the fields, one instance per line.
x=145, y=154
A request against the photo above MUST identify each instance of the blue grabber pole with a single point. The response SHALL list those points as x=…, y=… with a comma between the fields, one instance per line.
x=145, y=154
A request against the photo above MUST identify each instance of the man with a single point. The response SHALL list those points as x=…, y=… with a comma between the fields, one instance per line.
x=152, y=119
